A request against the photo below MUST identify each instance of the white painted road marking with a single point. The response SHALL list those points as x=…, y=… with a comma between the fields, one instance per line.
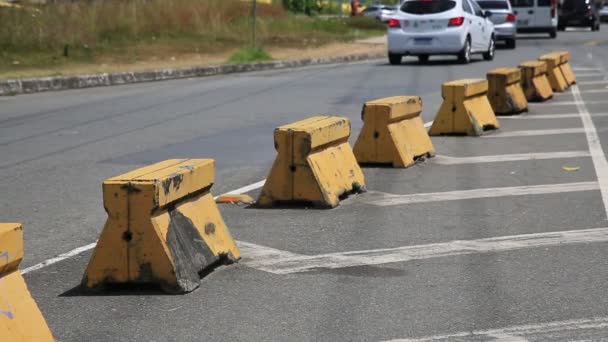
x=59, y=258
x=550, y=331
x=592, y=82
x=567, y=103
x=588, y=75
x=550, y=116
x=585, y=69
x=531, y=133
x=446, y=160
x=247, y=188
x=604, y=90
x=383, y=199
x=595, y=147
x=296, y=263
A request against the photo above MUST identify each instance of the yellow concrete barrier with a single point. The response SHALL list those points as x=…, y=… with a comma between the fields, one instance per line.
x=564, y=66
x=393, y=132
x=534, y=81
x=163, y=227
x=314, y=164
x=554, y=73
x=20, y=317
x=465, y=109
x=505, y=92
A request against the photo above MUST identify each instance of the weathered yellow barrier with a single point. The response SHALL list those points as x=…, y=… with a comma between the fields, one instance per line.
x=393, y=132
x=20, y=317
x=163, y=228
x=505, y=92
x=314, y=164
x=534, y=81
x=465, y=109
x=554, y=73
x=564, y=66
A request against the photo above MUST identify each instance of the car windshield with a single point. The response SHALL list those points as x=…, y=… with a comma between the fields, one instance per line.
x=427, y=6
x=522, y=3
x=493, y=5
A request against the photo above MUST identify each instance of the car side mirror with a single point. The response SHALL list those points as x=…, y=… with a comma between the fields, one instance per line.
x=487, y=14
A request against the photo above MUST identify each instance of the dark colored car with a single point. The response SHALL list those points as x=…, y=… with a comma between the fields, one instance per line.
x=578, y=13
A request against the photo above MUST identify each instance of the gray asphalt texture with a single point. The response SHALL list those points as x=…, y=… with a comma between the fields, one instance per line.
x=57, y=148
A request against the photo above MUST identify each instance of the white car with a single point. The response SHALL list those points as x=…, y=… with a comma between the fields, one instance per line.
x=380, y=12
x=439, y=27
x=536, y=16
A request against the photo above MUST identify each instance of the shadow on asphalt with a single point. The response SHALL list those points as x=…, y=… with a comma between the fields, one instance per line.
x=116, y=290
x=414, y=62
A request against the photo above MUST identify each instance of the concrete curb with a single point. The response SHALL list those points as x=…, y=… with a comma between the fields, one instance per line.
x=35, y=85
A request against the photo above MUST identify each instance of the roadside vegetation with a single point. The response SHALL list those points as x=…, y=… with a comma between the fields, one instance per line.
x=60, y=34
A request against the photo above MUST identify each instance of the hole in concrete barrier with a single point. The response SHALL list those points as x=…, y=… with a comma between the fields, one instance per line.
x=127, y=236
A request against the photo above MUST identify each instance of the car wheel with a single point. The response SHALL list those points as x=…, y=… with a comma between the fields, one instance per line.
x=489, y=55
x=423, y=58
x=464, y=56
x=394, y=59
x=553, y=34
x=511, y=43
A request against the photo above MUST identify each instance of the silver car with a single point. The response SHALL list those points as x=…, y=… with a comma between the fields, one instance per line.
x=603, y=13
x=503, y=18
x=380, y=12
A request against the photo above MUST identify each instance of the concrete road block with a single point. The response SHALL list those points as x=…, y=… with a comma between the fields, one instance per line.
x=564, y=66
x=163, y=227
x=393, y=132
x=465, y=110
x=505, y=92
x=554, y=73
x=534, y=81
x=20, y=317
x=315, y=164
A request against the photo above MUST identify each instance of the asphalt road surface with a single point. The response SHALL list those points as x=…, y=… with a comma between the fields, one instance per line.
x=505, y=246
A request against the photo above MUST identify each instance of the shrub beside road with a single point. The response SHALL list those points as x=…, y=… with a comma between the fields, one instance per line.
x=70, y=37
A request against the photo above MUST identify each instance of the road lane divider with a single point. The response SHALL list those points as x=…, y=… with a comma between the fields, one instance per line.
x=382, y=199
x=554, y=73
x=569, y=103
x=314, y=165
x=592, y=83
x=282, y=262
x=600, y=163
x=566, y=69
x=505, y=92
x=553, y=116
x=536, y=132
x=393, y=132
x=534, y=81
x=20, y=317
x=447, y=160
x=163, y=227
x=465, y=110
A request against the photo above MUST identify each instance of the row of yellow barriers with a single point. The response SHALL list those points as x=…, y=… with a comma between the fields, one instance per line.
x=164, y=226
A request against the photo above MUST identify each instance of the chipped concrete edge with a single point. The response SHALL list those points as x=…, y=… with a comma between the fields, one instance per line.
x=55, y=83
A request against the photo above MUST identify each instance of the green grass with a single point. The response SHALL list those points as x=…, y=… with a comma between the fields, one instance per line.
x=248, y=55
x=128, y=31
